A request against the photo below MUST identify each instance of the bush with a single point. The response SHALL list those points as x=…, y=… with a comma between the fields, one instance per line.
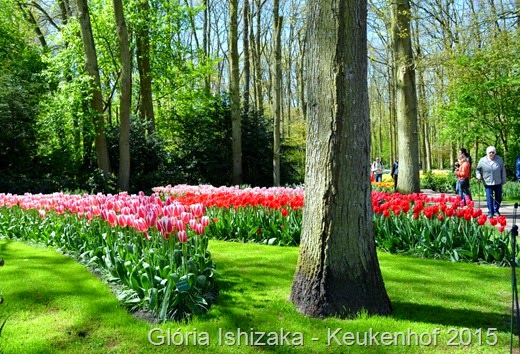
x=439, y=183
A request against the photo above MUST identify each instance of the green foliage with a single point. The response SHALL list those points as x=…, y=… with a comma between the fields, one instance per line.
x=202, y=150
x=439, y=183
x=201, y=145
x=150, y=162
x=483, y=98
x=511, y=191
x=21, y=86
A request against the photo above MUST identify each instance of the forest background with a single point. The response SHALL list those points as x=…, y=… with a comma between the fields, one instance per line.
x=102, y=96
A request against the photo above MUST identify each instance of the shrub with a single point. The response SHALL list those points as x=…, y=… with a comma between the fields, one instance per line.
x=439, y=183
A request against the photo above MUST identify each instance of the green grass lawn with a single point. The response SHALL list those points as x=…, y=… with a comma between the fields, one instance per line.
x=55, y=305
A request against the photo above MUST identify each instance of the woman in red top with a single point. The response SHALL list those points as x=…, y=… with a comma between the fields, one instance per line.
x=463, y=173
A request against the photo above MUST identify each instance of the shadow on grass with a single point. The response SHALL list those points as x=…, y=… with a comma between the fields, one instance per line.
x=450, y=317
x=63, y=301
x=475, y=296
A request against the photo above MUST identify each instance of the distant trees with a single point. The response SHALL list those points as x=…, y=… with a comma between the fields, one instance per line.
x=179, y=56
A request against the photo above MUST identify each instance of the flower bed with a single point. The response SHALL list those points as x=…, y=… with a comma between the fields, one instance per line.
x=417, y=224
x=155, y=250
x=155, y=247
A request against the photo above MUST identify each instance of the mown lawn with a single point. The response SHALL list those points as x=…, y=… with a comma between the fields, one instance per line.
x=55, y=305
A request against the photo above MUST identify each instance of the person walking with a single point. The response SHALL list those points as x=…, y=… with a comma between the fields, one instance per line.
x=377, y=170
x=463, y=174
x=492, y=172
x=465, y=153
x=395, y=172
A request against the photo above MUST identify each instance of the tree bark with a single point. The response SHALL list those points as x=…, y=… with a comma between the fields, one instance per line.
x=247, y=73
x=144, y=67
x=338, y=271
x=91, y=67
x=406, y=101
x=236, y=121
x=259, y=92
x=277, y=87
x=125, y=99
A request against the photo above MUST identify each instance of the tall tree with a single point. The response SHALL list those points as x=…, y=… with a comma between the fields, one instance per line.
x=247, y=72
x=236, y=123
x=91, y=67
x=29, y=17
x=142, y=48
x=338, y=271
x=257, y=58
x=277, y=87
x=406, y=100
x=125, y=100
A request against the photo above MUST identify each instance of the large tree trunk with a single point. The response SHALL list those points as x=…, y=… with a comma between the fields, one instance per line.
x=143, y=66
x=91, y=67
x=277, y=86
x=338, y=271
x=236, y=121
x=406, y=101
x=125, y=99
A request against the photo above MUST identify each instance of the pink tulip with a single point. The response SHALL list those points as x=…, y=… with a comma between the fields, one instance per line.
x=197, y=209
x=151, y=218
x=165, y=226
x=181, y=225
x=182, y=236
x=185, y=217
x=199, y=229
x=192, y=223
x=122, y=220
x=111, y=217
x=141, y=225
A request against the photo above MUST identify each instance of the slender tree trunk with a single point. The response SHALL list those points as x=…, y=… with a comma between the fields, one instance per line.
x=517, y=2
x=391, y=108
x=125, y=97
x=146, y=110
x=29, y=17
x=301, y=71
x=205, y=41
x=91, y=67
x=422, y=111
x=258, y=53
x=236, y=121
x=338, y=272
x=289, y=78
x=406, y=99
x=277, y=86
x=247, y=73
